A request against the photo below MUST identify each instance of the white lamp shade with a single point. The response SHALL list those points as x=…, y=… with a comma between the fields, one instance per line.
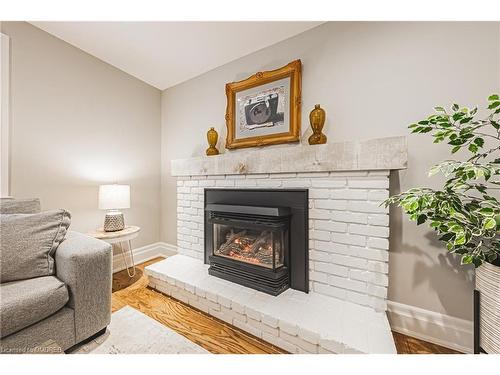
x=114, y=197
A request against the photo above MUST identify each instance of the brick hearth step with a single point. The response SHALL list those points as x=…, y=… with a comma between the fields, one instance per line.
x=294, y=321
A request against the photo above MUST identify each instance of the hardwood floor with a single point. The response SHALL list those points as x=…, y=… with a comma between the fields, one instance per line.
x=208, y=332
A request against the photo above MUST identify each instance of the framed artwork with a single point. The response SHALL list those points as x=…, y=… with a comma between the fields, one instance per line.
x=264, y=109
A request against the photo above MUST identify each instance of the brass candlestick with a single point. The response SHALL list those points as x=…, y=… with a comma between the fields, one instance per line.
x=212, y=137
x=317, y=119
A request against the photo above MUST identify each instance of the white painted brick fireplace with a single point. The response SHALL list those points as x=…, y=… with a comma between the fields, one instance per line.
x=348, y=228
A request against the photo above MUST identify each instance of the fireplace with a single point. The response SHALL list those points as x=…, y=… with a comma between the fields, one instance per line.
x=258, y=238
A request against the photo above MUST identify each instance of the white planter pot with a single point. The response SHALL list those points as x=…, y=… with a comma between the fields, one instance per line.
x=488, y=284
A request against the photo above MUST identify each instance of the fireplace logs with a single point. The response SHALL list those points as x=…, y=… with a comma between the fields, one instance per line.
x=248, y=247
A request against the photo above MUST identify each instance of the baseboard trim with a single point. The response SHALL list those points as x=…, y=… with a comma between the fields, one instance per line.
x=440, y=329
x=143, y=254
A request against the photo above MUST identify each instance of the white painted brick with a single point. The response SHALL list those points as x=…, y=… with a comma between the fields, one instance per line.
x=349, y=173
x=378, y=195
x=330, y=204
x=319, y=214
x=369, y=230
x=318, y=276
x=344, y=283
x=309, y=336
x=269, y=183
x=331, y=247
x=349, y=261
x=349, y=239
x=288, y=327
x=331, y=345
x=319, y=193
x=368, y=183
x=328, y=183
x=332, y=226
x=296, y=183
x=378, y=243
x=382, y=219
x=258, y=175
x=295, y=340
x=319, y=235
x=245, y=183
x=368, y=207
x=329, y=290
x=247, y=328
x=184, y=190
x=312, y=174
x=184, y=244
x=224, y=183
x=282, y=175
x=319, y=256
x=279, y=342
x=263, y=327
x=180, y=183
x=359, y=298
x=191, y=183
x=216, y=177
x=372, y=254
x=206, y=183
x=376, y=290
x=354, y=194
x=375, y=266
x=332, y=269
x=198, y=204
x=350, y=217
x=270, y=320
x=197, y=190
x=378, y=173
x=183, y=203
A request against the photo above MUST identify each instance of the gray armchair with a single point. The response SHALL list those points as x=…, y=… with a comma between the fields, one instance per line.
x=68, y=307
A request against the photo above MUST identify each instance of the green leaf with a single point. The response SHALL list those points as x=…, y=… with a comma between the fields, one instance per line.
x=473, y=148
x=479, y=141
x=421, y=219
x=455, y=107
x=489, y=224
x=493, y=105
x=493, y=97
x=486, y=211
x=455, y=149
x=467, y=259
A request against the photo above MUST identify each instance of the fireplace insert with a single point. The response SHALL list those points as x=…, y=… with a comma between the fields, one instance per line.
x=251, y=244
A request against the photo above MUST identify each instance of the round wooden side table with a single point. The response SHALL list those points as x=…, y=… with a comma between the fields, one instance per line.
x=119, y=237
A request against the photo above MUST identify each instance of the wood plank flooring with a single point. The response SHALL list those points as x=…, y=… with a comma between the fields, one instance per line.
x=208, y=332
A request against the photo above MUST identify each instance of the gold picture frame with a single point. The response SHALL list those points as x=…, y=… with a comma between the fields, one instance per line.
x=255, y=120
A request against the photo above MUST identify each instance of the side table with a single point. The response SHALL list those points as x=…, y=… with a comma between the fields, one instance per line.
x=119, y=237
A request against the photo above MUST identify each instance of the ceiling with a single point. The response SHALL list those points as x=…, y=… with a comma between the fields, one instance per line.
x=164, y=54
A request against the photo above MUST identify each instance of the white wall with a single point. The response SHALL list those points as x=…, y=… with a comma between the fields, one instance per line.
x=77, y=122
x=373, y=79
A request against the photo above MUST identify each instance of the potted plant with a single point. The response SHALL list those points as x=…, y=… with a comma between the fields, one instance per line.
x=465, y=213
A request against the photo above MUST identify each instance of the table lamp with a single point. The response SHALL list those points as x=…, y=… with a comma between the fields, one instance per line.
x=113, y=198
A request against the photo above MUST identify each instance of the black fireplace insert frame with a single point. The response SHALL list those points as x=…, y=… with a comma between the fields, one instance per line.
x=297, y=201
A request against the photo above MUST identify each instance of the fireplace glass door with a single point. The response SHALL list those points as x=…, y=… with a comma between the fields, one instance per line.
x=251, y=242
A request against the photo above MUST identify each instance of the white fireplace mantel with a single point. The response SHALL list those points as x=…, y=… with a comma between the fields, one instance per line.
x=374, y=154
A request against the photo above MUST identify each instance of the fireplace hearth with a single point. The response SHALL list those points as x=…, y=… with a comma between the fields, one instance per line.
x=257, y=238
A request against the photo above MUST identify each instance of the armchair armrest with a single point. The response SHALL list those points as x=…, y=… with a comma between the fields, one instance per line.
x=84, y=264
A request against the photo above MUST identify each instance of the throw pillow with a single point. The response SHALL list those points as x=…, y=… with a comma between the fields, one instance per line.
x=19, y=206
x=29, y=242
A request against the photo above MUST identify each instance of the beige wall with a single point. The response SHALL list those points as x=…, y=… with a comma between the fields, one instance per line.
x=373, y=79
x=78, y=122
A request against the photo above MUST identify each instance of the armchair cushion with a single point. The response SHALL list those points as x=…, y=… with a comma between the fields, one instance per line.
x=26, y=302
x=29, y=243
x=19, y=206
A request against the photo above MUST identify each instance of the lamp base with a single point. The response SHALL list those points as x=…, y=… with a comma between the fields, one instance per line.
x=114, y=221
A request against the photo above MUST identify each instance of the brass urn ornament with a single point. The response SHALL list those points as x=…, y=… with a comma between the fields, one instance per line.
x=317, y=120
x=212, y=137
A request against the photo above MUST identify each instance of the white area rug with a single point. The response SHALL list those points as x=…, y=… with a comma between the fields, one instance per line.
x=132, y=332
